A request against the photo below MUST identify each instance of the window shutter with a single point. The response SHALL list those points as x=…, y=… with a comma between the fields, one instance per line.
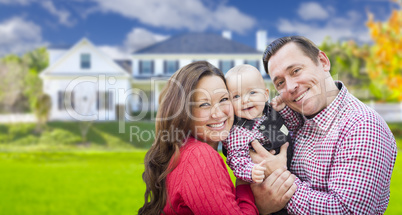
x=140, y=67
x=97, y=100
x=72, y=100
x=165, y=67
x=110, y=100
x=60, y=100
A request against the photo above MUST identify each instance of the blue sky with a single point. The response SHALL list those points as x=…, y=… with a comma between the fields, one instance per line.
x=119, y=27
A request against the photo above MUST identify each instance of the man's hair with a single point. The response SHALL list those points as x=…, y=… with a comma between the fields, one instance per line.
x=307, y=47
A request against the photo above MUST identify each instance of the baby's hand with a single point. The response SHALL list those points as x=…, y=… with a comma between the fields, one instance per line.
x=257, y=174
x=277, y=103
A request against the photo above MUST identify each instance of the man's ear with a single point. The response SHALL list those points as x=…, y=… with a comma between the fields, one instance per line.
x=323, y=59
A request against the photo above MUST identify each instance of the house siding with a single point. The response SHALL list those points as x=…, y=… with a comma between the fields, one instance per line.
x=64, y=79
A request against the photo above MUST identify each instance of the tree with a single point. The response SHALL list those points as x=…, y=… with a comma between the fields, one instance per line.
x=12, y=73
x=20, y=85
x=42, y=108
x=348, y=62
x=384, y=62
x=36, y=60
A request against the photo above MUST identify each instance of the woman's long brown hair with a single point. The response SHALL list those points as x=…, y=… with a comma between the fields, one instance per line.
x=172, y=127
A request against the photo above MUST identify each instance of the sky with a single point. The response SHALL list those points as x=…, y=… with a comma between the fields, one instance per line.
x=120, y=27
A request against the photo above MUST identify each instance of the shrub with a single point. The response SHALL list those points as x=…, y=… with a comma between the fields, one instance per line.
x=16, y=131
x=59, y=136
x=27, y=140
x=4, y=138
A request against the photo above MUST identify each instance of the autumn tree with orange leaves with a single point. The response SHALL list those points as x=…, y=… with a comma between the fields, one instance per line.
x=384, y=62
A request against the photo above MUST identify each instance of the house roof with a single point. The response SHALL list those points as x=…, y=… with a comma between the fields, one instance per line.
x=117, y=68
x=198, y=43
x=125, y=64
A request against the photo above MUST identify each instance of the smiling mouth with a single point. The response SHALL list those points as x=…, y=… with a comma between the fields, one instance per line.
x=217, y=125
x=246, y=109
x=301, y=96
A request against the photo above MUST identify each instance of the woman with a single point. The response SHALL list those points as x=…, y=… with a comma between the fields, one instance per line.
x=184, y=174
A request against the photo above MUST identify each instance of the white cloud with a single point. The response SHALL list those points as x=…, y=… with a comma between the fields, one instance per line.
x=179, y=14
x=19, y=35
x=20, y=2
x=114, y=52
x=318, y=33
x=63, y=15
x=346, y=27
x=311, y=11
x=140, y=38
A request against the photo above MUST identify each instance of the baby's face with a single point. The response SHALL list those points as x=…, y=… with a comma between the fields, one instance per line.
x=248, y=94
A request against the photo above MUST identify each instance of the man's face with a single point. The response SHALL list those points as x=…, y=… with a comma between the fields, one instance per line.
x=300, y=81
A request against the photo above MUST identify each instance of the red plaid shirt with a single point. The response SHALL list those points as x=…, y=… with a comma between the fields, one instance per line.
x=238, y=148
x=343, y=159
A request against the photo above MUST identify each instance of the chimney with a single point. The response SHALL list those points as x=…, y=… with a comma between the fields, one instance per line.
x=227, y=35
x=261, y=40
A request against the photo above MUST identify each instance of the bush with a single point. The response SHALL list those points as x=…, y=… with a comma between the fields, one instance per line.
x=4, y=138
x=16, y=131
x=59, y=136
x=148, y=116
x=27, y=140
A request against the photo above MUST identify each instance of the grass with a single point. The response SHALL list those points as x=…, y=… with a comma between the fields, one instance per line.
x=96, y=180
x=394, y=206
x=91, y=183
x=71, y=183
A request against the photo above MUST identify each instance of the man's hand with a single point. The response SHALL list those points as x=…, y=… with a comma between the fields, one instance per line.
x=277, y=103
x=273, y=162
x=274, y=192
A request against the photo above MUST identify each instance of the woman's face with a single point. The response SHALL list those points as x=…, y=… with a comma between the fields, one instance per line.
x=212, y=111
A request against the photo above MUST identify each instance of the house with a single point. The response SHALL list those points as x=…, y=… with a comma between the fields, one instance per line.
x=153, y=65
x=85, y=84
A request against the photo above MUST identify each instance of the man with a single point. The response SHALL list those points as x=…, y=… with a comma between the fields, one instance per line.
x=344, y=152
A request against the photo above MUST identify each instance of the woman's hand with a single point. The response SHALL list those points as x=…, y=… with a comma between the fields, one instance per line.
x=273, y=162
x=274, y=192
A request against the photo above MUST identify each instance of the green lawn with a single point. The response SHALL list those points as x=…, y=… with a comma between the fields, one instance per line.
x=91, y=183
x=71, y=183
x=395, y=206
x=93, y=180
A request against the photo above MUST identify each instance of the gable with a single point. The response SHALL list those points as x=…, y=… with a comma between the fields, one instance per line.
x=70, y=62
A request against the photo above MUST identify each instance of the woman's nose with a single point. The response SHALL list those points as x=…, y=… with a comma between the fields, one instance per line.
x=217, y=112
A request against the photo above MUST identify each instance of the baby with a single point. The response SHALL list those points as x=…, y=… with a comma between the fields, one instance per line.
x=255, y=120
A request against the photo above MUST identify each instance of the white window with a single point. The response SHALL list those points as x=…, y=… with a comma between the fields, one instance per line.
x=254, y=63
x=85, y=61
x=225, y=65
x=171, y=66
x=64, y=99
x=104, y=100
x=146, y=67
